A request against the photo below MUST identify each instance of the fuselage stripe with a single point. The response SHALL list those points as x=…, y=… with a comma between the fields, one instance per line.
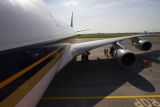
x=22, y=72
x=23, y=89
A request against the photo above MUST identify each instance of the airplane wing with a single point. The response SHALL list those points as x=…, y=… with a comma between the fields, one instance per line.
x=126, y=57
x=80, y=48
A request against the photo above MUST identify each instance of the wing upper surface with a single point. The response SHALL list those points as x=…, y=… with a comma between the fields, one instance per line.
x=79, y=48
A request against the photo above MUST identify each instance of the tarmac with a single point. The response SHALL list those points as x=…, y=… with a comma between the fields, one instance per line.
x=102, y=82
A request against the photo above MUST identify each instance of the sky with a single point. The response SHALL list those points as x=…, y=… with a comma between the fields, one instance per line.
x=109, y=16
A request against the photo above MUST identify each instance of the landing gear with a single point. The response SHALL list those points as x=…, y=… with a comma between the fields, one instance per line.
x=111, y=51
x=85, y=55
x=75, y=58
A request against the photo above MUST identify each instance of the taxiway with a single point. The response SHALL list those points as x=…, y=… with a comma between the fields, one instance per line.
x=102, y=82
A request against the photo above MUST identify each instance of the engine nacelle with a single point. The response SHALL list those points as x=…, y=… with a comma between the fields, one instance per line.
x=126, y=57
x=141, y=44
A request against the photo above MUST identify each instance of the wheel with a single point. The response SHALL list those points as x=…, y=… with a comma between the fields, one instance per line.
x=75, y=58
x=84, y=57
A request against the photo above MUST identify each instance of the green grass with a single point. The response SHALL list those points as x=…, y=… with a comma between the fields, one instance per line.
x=109, y=35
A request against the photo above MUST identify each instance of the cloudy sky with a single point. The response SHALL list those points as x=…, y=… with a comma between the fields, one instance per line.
x=108, y=16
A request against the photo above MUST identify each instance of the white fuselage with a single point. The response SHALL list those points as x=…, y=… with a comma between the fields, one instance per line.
x=26, y=22
x=25, y=27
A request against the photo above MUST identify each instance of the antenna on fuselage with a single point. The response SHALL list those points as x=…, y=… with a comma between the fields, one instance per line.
x=72, y=20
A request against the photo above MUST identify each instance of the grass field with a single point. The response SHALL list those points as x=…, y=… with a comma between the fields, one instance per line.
x=105, y=35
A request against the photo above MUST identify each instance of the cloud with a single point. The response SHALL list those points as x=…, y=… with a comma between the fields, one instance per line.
x=70, y=3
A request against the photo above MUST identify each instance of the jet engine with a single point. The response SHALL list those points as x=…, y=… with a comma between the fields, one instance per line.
x=141, y=44
x=125, y=56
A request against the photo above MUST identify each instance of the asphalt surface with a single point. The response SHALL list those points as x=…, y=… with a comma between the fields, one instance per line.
x=102, y=82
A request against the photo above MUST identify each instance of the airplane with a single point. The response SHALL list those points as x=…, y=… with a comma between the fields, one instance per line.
x=35, y=45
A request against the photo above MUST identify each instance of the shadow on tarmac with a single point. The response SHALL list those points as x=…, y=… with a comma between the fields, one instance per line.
x=153, y=56
x=95, y=78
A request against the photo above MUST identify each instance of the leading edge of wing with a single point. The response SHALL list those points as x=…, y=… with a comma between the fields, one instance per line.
x=79, y=48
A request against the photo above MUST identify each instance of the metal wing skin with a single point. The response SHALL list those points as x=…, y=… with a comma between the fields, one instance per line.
x=80, y=48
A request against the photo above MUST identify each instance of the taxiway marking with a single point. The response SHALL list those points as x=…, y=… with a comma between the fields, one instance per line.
x=100, y=97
